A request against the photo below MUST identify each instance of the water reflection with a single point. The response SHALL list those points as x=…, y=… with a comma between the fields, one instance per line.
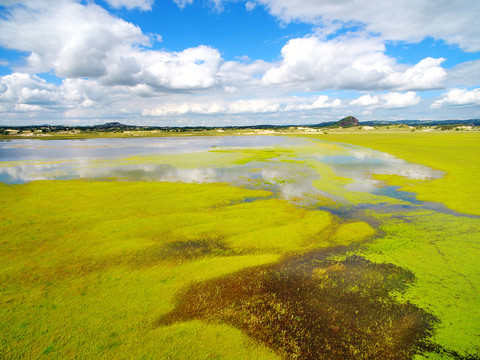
x=131, y=159
x=360, y=163
x=287, y=182
x=25, y=149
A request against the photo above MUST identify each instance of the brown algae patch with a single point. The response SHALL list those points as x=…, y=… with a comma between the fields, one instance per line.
x=312, y=307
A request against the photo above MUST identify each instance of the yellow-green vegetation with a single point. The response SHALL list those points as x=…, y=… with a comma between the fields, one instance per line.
x=442, y=251
x=455, y=153
x=309, y=307
x=138, y=269
x=215, y=157
x=88, y=267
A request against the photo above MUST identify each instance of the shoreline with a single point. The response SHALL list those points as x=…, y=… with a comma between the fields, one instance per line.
x=75, y=135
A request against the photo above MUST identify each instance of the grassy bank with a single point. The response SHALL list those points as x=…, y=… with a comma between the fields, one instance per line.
x=455, y=153
x=88, y=267
x=441, y=250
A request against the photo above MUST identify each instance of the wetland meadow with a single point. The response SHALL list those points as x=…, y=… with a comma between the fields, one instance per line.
x=346, y=245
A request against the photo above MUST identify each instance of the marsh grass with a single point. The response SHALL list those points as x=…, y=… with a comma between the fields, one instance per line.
x=89, y=266
x=442, y=251
x=310, y=307
x=455, y=153
x=108, y=269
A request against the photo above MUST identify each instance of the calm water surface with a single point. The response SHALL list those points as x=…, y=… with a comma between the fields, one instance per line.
x=28, y=160
x=86, y=149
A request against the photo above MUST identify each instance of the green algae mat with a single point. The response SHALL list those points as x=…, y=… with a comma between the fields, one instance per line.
x=320, y=248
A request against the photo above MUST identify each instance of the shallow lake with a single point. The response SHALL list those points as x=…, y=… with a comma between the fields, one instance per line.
x=288, y=172
x=87, y=149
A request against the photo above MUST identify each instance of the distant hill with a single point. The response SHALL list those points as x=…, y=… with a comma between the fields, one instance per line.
x=348, y=121
x=112, y=125
x=469, y=122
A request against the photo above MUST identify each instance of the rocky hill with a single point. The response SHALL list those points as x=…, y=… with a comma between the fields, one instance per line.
x=348, y=121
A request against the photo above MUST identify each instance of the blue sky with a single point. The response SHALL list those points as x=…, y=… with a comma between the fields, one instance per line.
x=233, y=62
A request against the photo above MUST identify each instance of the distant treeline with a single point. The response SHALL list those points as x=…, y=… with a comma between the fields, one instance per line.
x=118, y=127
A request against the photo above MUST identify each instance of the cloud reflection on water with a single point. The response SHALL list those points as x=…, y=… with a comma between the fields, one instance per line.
x=288, y=180
x=360, y=163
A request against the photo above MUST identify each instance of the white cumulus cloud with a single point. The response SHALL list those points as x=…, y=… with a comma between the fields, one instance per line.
x=397, y=100
x=131, y=4
x=85, y=41
x=350, y=63
x=108, y=67
x=189, y=69
x=27, y=89
x=250, y=5
x=73, y=39
x=245, y=106
x=28, y=108
x=322, y=102
x=182, y=3
x=393, y=100
x=459, y=97
x=366, y=100
x=456, y=22
x=464, y=74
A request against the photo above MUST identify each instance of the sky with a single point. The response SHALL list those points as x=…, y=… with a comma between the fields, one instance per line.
x=237, y=62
